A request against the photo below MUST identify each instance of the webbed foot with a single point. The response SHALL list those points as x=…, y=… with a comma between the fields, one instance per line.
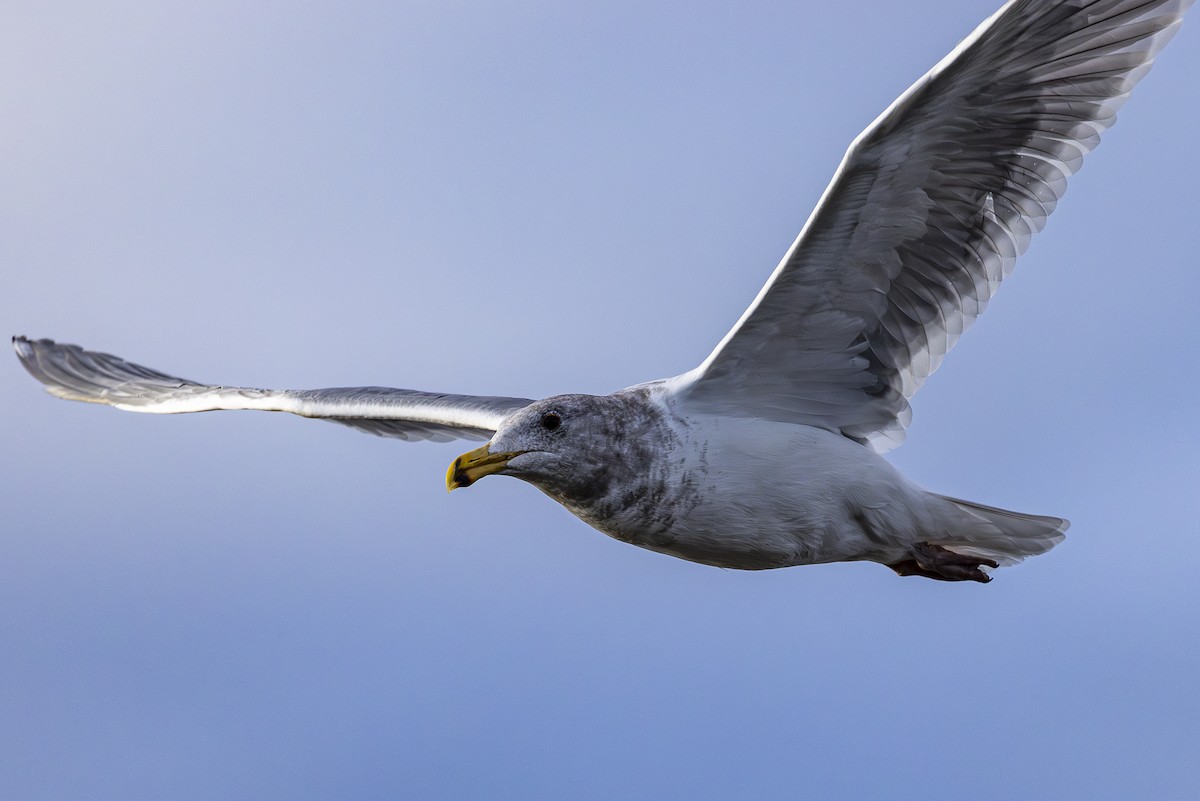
x=936, y=562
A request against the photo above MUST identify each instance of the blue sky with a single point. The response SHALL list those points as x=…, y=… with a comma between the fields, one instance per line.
x=507, y=199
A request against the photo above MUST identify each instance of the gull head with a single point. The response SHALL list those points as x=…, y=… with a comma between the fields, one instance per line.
x=571, y=447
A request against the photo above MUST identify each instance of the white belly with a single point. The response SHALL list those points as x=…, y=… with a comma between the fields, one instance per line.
x=757, y=494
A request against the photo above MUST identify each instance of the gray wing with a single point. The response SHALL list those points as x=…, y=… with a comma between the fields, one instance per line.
x=73, y=373
x=927, y=214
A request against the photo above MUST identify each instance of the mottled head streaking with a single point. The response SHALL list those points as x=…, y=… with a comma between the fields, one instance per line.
x=582, y=450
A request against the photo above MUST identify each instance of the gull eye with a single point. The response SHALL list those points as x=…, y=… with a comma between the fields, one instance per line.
x=551, y=420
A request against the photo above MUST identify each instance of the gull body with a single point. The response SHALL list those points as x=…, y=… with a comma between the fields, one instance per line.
x=738, y=492
x=769, y=453
x=758, y=494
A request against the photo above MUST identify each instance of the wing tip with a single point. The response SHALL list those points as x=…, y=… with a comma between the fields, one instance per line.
x=23, y=346
x=27, y=351
x=44, y=359
x=69, y=372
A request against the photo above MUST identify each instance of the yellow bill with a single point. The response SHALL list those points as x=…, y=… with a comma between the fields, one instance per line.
x=472, y=466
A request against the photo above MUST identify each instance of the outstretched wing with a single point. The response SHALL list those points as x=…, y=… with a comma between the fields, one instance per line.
x=73, y=373
x=927, y=214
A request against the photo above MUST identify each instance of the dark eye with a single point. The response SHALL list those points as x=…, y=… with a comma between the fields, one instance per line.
x=551, y=420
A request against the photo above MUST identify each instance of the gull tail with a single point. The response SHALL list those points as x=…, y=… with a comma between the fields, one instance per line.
x=997, y=534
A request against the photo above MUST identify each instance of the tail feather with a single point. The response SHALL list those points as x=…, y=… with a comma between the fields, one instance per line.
x=999, y=534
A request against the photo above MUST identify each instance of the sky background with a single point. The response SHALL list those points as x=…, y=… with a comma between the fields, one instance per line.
x=525, y=199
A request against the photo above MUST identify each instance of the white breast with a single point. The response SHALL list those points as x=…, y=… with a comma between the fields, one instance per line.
x=756, y=494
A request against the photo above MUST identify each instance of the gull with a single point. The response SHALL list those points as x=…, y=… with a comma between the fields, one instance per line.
x=770, y=453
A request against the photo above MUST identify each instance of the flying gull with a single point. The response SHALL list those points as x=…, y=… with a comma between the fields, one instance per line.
x=769, y=453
